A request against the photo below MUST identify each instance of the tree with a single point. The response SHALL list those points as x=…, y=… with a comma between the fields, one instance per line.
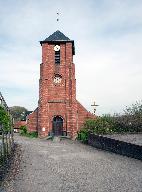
x=134, y=116
x=18, y=112
x=5, y=119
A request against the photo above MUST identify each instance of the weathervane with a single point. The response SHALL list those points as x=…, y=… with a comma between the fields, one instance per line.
x=58, y=16
x=94, y=105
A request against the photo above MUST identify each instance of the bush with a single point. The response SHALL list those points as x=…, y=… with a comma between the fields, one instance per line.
x=24, y=132
x=101, y=125
x=83, y=135
x=130, y=121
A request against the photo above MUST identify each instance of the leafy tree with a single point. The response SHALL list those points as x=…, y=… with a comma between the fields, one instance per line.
x=131, y=121
x=18, y=112
x=134, y=109
x=5, y=119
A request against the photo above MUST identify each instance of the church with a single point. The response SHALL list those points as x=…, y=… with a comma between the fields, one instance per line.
x=58, y=112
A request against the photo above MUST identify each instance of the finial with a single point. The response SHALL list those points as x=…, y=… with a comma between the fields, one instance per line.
x=58, y=16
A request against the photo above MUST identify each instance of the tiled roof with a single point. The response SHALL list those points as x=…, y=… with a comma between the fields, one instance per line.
x=57, y=36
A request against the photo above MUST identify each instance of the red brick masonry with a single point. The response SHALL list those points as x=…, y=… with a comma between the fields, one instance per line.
x=57, y=99
x=18, y=124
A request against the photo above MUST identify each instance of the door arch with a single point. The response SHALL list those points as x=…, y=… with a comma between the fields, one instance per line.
x=57, y=125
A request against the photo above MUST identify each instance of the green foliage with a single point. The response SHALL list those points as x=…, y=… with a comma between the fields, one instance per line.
x=24, y=132
x=18, y=112
x=83, y=135
x=130, y=121
x=135, y=109
x=33, y=134
x=101, y=125
x=5, y=119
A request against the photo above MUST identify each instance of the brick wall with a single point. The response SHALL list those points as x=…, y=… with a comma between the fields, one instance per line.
x=18, y=124
x=57, y=99
x=32, y=121
x=83, y=114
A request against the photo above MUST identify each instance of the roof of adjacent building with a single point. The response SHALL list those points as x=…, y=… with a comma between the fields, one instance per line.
x=57, y=36
x=3, y=102
x=25, y=115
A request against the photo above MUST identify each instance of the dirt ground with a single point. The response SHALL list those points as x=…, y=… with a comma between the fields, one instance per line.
x=69, y=166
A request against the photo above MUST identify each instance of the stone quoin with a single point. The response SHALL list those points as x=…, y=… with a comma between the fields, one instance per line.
x=58, y=112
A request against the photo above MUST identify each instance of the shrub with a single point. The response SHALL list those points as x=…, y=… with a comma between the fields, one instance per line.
x=83, y=135
x=101, y=125
x=24, y=132
x=130, y=121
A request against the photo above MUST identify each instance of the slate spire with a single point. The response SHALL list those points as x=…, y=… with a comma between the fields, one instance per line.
x=57, y=36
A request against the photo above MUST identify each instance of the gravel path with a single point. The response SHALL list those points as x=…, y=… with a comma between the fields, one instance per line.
x=68, y=166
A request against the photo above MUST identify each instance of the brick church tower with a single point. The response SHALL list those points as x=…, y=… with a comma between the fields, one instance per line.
x=58, y=112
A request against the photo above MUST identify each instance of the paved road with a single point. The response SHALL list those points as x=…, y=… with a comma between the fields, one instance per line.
x=68, y=166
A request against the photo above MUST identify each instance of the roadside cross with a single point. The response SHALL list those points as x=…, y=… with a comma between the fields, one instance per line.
x=94, y=105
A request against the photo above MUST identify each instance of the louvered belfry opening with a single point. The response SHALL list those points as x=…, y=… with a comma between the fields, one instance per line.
x=57, y=57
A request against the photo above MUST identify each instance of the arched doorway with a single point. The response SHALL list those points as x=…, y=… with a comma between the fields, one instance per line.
x=57, y=125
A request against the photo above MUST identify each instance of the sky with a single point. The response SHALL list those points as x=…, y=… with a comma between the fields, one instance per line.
x=108, y=44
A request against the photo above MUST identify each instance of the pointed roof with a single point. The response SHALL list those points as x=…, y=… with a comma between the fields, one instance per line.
x=57, y=36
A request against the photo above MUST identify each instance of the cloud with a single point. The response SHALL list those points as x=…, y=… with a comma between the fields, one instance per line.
x=113, y=71
x=108, y=44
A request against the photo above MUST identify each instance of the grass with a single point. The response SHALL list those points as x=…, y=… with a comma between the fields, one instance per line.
x=30, y=134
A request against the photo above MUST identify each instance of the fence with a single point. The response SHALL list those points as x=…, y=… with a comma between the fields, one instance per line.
x=6, y=141
x=116, y=146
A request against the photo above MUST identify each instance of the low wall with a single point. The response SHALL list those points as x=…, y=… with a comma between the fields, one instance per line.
x=116, y=146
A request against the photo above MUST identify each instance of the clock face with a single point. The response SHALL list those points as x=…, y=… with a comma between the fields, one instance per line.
x=56, y=48
x=57, y=79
